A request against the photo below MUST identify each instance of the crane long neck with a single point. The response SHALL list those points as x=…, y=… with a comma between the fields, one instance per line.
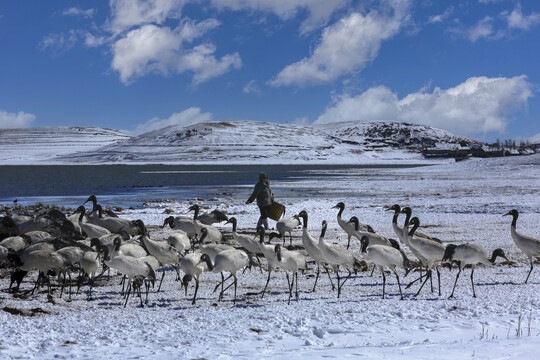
x=209, y=264
x=364, y=245
x=514, y=220
x=407, y=218
x=323, y=231
x=341, y=208
x=233, y=221
x=396, y=215
x=415, y=226
x=203, y=236
x=305, y=218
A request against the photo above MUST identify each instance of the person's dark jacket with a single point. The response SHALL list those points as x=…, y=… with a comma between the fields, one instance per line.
x=262, y=193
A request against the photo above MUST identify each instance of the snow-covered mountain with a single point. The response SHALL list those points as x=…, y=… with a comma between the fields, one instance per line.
x=395, y=135
x=36, y=145
x=236, y=142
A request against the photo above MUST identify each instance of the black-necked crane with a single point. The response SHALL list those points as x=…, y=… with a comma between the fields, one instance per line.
x=183, y=223
x=347, y=226
x=193, y=265
x=126, y=249
x=250, y=244
x=213, y=217
x=163, y=252
x=130, y=267
x=93, y=199
x=337, y=256
x=113, y=224
x=528, y=245
x=374, y=238
x=287, y=225
x=211, y=249
x=408, y=213
x=90, y=262
x=269, y=253
x=91, y=230
x=43, y=261
x=213, y=235
x=231, y=261
x=432, y=251
x=311, y=245
x=401, y=232
x=290, y=261
x=470, y=254
x=180, y=241
x=385, y=256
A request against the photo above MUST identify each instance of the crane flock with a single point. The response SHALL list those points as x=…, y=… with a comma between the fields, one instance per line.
x=90, y=243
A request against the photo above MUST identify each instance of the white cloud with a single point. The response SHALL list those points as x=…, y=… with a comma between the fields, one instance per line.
x=251, y=87
x=131, y=13
x=441, y=17
x=346, y=46
x=319, y=11
x=154, y=49
x=188, y=116
x=478, y=105
x=15, y=120
x=534, y=139
x=483, y=29
x=75, y=11
x=91, y=40
x=304, y=120
x=516, y=19
x=59, y=42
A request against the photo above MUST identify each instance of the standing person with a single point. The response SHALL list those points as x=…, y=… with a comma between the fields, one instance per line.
x=264, y=196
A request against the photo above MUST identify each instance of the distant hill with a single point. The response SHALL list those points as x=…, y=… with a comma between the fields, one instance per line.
x=37, y=145
x=233, y=142
x=251, y=142
x=397, y=135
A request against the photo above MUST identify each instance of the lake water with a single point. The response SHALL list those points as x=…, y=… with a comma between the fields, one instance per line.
x=131, y=185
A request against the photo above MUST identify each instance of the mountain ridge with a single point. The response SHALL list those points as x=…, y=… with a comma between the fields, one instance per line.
x=245, y=142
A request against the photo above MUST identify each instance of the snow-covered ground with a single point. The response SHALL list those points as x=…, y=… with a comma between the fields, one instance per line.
x=458, y=202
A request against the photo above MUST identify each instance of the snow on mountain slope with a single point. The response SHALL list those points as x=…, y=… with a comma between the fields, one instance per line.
x=228, y=142
x=241, y=142
x=37, y=145
x=395, y=135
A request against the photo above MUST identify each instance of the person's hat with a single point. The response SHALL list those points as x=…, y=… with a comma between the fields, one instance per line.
x=263, y=175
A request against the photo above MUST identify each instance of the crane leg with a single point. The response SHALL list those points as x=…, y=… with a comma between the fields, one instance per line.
x=383, y=283
x=290, y=287
x=399, y=285
x=472, y=282
x=439, y=280
x=162, y=276
x=267, y=281
x=455, y=283
x=317, y=278
x=428, y=276
x=196, y=289
x=329, y=277
x=530, y=271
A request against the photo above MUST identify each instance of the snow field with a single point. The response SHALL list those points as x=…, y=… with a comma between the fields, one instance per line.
x=472, y=196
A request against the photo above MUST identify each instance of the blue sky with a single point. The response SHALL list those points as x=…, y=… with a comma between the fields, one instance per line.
x=470, y=67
